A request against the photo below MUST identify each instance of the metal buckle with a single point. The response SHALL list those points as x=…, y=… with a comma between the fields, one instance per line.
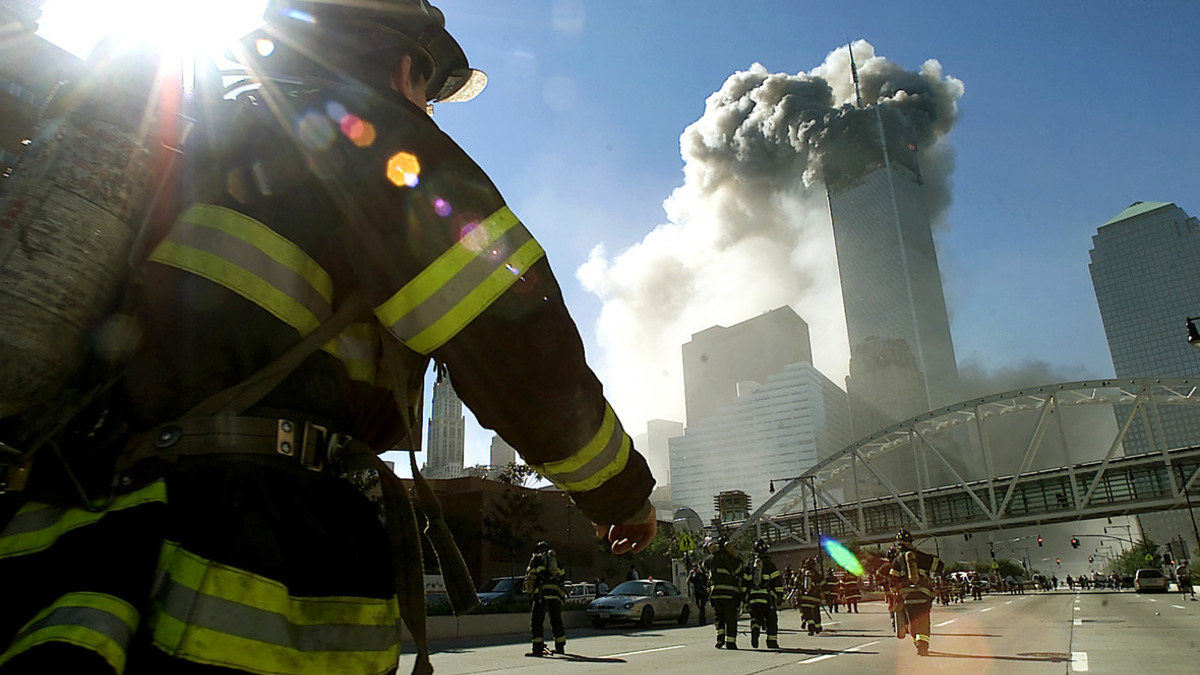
x=313, y=450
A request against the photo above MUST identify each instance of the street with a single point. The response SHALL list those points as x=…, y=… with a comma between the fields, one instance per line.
x=1055, y=632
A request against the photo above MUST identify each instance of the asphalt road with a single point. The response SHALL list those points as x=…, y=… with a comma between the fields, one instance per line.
x=1055, y=632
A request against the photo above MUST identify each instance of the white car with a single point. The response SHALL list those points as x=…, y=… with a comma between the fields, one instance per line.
x=1149, y=580
x=644, y=601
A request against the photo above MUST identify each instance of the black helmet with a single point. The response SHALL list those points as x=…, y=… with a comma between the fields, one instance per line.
x=904, y=537
x=359, y=36
x=541, y=546
x=760, y=546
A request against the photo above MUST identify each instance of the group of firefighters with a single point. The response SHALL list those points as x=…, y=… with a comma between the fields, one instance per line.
x=732, y=584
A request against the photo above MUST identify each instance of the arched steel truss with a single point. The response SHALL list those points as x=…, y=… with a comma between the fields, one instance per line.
x=807, y=506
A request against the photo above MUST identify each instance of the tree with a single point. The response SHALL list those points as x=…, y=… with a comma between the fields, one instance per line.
x=512, y=521
x=1143, y=554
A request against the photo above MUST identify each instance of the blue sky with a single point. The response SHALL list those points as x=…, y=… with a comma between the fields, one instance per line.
x=1070, y=111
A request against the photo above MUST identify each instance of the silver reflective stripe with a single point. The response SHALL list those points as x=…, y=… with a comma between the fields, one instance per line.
x=260, y=625
x=106, y=623
x=33, y=517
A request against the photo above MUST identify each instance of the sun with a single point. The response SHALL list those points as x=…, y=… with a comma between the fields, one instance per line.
x=183, y=27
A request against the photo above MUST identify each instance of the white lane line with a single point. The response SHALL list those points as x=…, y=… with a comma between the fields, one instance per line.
x=644, y=651
x=1077, y=622
x=823, y=657
x=945, y=623
x=1009, y=602
x=987, y=609
x=1078, y=609
x=1178, y=606
x=1151, y=599
x=1079, y=662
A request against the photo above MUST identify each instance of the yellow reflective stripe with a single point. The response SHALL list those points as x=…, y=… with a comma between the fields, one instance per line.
x=36, y=526
x=263, y=238
x=463, y=282
x=212, y=613
x=100, y=623
x=603, y=457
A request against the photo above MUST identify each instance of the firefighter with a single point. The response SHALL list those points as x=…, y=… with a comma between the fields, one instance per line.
x=764, y=591
x=544, y=584
x=319, y=188
x=912, y=575
x=810, y=595
x=853, y=593
x=724, y=569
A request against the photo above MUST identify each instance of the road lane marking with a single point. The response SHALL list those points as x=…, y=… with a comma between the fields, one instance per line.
x=945, y=623
x=1078, y=622
x=1009, y=602
x=1079, y=662
x=1078, y=609
x=1178, y=606
x=823, y=657
x=643, y=651
x=987, y=609
x=1151, y=599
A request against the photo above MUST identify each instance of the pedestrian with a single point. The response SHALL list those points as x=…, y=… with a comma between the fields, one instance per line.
x=764, y=590
x=913, y=572
x=543, y=583
x=601, y=587
x=632, y=575
x=724, y=569
x=697, y=583
x=318, y=201
x=1183, y=581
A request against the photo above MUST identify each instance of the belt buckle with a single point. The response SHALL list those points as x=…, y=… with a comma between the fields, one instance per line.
x=313, y=449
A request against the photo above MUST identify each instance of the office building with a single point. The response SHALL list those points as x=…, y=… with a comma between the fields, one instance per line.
x=891, y=285
x=717, y=358
x=501, y=454
x=447, y=431
x=775, y=430
x=1145, y=267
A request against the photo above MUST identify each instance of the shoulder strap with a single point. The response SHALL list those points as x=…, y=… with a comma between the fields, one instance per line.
x=236, y=399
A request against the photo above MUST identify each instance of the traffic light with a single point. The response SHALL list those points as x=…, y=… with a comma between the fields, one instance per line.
x=1167, y=559
x=1039, y=540
x=1074, y=542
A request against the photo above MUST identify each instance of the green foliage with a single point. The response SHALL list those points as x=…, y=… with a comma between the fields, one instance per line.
x=1006, y=567
x=512, y=520
x=1143, y=554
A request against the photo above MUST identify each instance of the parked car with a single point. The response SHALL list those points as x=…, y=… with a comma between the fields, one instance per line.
x=1147, y=580
x=644, y=601
x=503, y=589
x=580, y=593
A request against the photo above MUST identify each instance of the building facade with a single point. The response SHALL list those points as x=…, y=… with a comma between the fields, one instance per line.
x=776, y=430
x=887, y=261
x=1145, y=268
x=447, y=432
x=717, y=358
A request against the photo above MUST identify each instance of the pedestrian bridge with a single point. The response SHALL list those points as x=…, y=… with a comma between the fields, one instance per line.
x=853, y=495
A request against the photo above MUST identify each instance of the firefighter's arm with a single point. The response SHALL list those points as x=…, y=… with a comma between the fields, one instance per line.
x=465, y=283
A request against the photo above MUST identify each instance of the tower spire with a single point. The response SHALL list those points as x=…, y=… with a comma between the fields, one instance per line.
x=854, y=73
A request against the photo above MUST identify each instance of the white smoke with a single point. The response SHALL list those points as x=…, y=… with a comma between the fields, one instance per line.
x=749, y=229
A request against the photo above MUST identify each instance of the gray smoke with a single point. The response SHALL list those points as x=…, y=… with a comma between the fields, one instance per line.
x=749, y=230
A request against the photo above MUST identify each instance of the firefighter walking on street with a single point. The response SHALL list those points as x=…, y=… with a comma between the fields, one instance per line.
x=697, y=582
x=913, y=574
x=811, y=596
x=543, y=583
x=724, y=568
x=764, y=590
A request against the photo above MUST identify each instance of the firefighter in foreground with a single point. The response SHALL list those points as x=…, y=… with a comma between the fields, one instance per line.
x=913, y=574
x=544, y=584
x=764, y=591
x=810, y=594
x=724, y=569
x=324, y=187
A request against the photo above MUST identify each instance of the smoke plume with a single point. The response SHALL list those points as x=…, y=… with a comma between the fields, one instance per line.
x=749, y=229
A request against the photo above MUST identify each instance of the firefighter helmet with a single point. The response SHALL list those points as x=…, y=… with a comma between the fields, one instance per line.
x=541, y=546
x=904, y=537
x=760, y=546
x=364, y=40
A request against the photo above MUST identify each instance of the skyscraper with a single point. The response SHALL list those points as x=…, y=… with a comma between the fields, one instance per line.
x=717, y=358
x=1145, y=267
x=891, y=285
x=447, y=431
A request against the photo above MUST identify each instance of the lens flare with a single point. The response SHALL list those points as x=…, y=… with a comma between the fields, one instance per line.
x=842, y=556
x=403, y=169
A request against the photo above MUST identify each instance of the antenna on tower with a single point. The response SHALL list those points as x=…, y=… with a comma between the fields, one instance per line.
x=854, y=73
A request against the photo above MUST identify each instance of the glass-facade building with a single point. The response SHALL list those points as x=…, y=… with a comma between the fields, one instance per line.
x=776, y=430
x=891, y=284
x=1145, y=268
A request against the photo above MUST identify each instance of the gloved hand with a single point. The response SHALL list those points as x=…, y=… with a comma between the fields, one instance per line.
x=630, y=537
